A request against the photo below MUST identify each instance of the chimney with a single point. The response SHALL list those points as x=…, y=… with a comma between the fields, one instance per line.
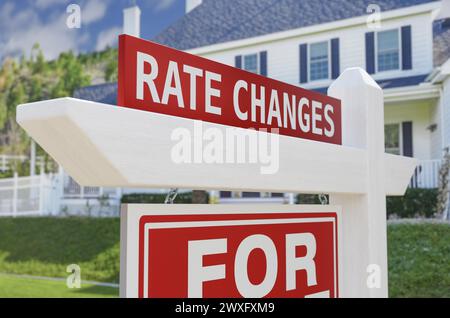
x=132, y=21
x=192, y=4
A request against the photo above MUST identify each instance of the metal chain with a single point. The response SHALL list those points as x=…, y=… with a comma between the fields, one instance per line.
x=323, y=199
x=171, y=196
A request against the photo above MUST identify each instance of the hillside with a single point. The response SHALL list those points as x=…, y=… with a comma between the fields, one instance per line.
x=31, y=79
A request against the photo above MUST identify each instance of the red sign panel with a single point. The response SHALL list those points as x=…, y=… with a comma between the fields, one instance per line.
x=159, y=79
x=238, y=255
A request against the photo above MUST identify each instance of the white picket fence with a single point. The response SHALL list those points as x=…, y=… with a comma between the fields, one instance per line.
x=55, y=194
x=25, y=195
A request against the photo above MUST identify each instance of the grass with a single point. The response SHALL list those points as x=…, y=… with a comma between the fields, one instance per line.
x=419, y=260
x=419, y=257
x=18, y=287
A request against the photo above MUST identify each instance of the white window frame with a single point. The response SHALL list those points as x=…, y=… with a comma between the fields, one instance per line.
x=400, y=136
x=329, y=61
x=258, y=70
x=400, y=53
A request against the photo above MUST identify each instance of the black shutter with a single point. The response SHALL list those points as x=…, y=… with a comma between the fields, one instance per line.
x=406, y=48
x=303, y=63
x=238, y=61
x=407, y=134
x=263, y=63
x=335, y=67
x=370, y=52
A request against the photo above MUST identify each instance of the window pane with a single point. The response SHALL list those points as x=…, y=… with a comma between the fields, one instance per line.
x=392, y=138
x=318, y=61
x=251, y=63
x=388, y=50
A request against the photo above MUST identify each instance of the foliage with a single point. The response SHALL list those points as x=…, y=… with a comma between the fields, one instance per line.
x=308, y=199
x=32, y=78
x=443, y=189
x=46, y=246
x=415, y=203
x=155, y=198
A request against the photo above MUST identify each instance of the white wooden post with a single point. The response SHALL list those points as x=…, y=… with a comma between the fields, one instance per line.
x=60, y=195
x=4, y=167
x=291, y=198
x=32, y=158
x=42, y=192
x=15, y=194
x=363, y=215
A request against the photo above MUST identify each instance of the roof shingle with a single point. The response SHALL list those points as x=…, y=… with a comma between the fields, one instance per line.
x=219, y=21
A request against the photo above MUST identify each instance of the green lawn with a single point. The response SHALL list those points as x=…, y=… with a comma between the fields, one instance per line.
x=419, y=260
x=17, y=287
x=419, y=257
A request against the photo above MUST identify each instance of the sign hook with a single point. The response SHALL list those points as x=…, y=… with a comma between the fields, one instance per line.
x=170, y=198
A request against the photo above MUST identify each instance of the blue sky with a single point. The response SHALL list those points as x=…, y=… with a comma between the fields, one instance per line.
x=25, y=22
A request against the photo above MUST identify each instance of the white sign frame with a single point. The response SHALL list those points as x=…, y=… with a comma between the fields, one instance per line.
x=129, y=231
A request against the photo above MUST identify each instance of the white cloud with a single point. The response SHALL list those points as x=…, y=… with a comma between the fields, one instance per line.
x=21, y=29
x=161, y=5
x=108, y=38
x=93, y=11
x=44, y=4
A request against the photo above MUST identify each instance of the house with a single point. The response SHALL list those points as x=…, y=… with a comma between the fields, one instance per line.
x=403, y=44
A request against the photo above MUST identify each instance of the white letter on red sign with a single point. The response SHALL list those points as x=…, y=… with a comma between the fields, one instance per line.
x=194, y=73
x=241, y=84
x=212, y=92
x=143, y=78
x=197, y=273
x=243, y=284
x=294, y=263
x=173, y=76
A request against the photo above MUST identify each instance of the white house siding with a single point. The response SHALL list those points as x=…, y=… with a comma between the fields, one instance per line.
x=283, y=54
x=446, y=111
x=420, y=113
x=436, y=136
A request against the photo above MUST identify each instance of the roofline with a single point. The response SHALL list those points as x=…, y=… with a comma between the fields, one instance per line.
x=387, y=15
x=440, y=73
x=409, y=93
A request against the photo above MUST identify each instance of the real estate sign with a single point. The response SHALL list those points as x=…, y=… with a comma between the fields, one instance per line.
x=159, y=79
x=223, y=250
x=229, y=251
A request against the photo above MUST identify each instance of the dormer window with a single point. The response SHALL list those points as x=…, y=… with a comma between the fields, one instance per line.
x=388, y=50
x=319, y=61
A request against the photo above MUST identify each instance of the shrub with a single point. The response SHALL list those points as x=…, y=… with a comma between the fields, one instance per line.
x=155, y=198
x=415, y=203
x=308, y=199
